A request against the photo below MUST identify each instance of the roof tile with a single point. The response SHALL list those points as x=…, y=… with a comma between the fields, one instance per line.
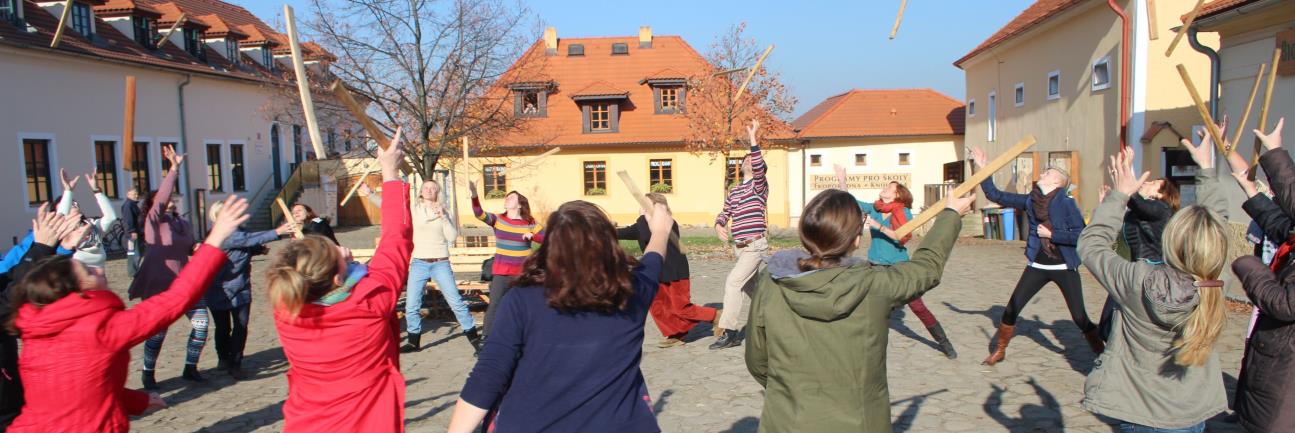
x=883, y=113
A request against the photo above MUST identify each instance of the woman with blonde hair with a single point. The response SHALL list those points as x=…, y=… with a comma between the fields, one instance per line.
x=1161, y=373
x=337, y=322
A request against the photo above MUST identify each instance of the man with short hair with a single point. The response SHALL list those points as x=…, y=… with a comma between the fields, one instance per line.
x=744, y=213
x=130, y=222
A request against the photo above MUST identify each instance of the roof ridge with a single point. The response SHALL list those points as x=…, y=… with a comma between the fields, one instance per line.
x=843, y=97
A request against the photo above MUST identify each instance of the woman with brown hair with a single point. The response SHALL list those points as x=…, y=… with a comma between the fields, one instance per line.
x=565, y=352
x=824, y=304
x=515, y=230
x=311, y=223
x=336, y=320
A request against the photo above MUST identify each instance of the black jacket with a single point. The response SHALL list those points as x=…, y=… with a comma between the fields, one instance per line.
x=11, y=399
x=675, y=267
x=319, y=226
x=1144, y=224
x=130, y=217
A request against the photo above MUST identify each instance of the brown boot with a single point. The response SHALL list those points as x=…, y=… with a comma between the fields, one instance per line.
x=1095, y=341
x=1004, y=336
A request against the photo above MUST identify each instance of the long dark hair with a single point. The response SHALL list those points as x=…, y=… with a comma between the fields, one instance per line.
x=1169, y=194
x=144, y=206
x=580, y=264
x=50, y=279
x=523, y=207
x=829, y=226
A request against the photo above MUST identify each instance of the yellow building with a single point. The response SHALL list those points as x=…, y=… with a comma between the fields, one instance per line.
x=1056, y=71
x=611, y=104
x=878, y=136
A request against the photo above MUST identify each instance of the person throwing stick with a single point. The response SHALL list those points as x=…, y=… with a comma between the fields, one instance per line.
x=744, y=213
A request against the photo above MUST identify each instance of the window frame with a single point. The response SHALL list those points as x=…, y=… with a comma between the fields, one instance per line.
x=238, y=166
x=991, y=131
x=501, y=172
x=147, y=168
x=1018, y=95
x=541, y=103
x=51, y=161
x=216, y=178
x=971, y=107
x=665, y=174
x=733, y=171
x=232, y=52
x=624, y=52
x=148, y=39
x=1105, y=62
x=865, y=159
x=571, y=50
x=659, y=98
x=815, y=160
x=267, y=57
x=599, y=178
x=82, y=19
x=10, y=9
x=899, y=157
x=107, y=175
x=1048, y=85
x=193, y=43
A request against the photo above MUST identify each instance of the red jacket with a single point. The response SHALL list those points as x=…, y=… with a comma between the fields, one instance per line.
x=75, y=351
x=344, y=372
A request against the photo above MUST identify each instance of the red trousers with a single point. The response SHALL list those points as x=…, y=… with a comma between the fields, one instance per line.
x=673, y=310
x=919, y=310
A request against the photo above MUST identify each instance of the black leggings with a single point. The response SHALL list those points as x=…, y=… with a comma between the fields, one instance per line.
x=231, y=333
x=1034, y=279
x=499, y=286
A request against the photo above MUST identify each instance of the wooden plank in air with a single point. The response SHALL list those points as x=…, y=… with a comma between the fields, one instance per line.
x=988, y=170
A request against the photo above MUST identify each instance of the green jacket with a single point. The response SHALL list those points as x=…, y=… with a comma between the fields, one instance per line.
x=817, y=342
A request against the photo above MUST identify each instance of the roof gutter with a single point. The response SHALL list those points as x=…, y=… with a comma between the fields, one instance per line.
x=1123, y=96
x=1233, y=12
x=1216, y=65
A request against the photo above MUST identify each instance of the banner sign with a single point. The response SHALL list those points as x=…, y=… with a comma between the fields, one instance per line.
x=860, y=181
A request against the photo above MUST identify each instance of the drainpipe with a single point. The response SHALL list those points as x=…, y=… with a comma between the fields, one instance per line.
x=184, y=171
x=1215, y=66
x=804, y=175
x=1124, y=71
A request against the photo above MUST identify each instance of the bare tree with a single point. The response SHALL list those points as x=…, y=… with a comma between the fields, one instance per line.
x=717, y=122
x=430, y=66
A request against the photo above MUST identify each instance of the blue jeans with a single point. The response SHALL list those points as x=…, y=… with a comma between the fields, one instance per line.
x=1135, y=428
x=421, y=271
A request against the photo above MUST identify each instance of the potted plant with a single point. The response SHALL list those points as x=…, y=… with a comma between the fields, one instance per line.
x=662, y=188
x=595, y=191
x=496, y=193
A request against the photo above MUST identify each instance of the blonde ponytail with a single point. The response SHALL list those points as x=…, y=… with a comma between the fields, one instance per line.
x=302, y=273
x=1195, y=242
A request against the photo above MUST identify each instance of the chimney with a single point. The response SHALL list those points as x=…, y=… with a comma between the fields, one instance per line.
x=551, y=41
x=645, y=37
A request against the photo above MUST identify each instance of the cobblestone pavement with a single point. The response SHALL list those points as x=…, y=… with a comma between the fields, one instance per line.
x=1038, y=388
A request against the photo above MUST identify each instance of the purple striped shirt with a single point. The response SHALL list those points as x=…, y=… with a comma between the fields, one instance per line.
x=748, y=202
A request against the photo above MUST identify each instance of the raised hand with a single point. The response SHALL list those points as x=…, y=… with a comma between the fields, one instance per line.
x=286, y=228
x=69, y=184
x=840, y=177
x=752, y=129
x=71, y=230
x=390, y=158
x=44, y=228
x=89, y=180
x=1101, y=193
x=364, y=189
x=961, y=205
x=1200, y=154
x=1240, y=169
x=233, y=212
x=1125, y=182
x=1272, y=140
x=168, y=152
x=660, y=220
x=472, y=188
x=978, y=157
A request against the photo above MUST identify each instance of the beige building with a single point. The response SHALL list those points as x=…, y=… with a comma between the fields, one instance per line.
x=215, y=88
x=878, y=136
x=1056, y=71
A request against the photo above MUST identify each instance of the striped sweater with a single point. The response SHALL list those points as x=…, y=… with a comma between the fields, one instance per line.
x=747, y=202
x=511, y=248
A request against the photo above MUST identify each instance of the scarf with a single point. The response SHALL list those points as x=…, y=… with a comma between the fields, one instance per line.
x=1283, y=254
x=1040, y=202
x=354, y=273
x=897, y=217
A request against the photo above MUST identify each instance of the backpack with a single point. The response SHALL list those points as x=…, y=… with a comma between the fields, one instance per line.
x=487, y=269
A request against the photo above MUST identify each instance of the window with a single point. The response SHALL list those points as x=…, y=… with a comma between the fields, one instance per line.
x=105, y=163
x=530, y=103
x=661, y=175
x=905, y=158
x=267, y=57
x=143, y=31
x=1020, y=94
x=82, y=21
x=1054, y=85
x=215, y=173
x=575, y=50
x=193, y=45
x=139, y=173
x=496, y=183
x=36, y=163
x=733, y=172
x=971, y=108
x=992, y=130
x=236, y=174
x=595, y=177
x=9, y=9
x=600, y=117
x=816, y=160
x=231, y=51
x=296, y=148
x=1102, y=74
x=620, y=49
x=332, y=138
x=669, y=100
x=861, y=159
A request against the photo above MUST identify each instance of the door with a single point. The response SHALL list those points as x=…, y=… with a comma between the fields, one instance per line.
x=277, y=160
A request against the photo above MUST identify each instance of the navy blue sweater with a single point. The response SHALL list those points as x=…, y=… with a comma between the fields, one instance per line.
x=555, y=372
x=1067, y=221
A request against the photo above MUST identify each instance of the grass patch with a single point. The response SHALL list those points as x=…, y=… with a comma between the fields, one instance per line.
x=712, y=244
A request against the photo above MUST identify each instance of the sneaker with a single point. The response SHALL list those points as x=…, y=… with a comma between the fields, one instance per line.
x=670, y=342
x=730, y=338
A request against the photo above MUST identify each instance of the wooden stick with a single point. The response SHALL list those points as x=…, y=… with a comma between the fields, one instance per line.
x=171, y=30
x=537, y=158
x=751, y=74
x=646, y=205
x=355, y=187
x=303, y=84
x=1213, y=128
x=972, y=182
x=128, y=127
x=1263, y=110
x=1183, y=30
x=1250, y=104
x=1152, y=22
x=898, y=18
x=348, y=101
x=287, y=216
x=62, y=24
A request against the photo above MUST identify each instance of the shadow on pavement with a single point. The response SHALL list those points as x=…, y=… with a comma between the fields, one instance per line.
x=1075, y=351
x=745, y=425
x=904, y=421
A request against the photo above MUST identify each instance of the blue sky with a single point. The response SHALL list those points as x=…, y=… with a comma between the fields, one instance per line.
x=823, y=47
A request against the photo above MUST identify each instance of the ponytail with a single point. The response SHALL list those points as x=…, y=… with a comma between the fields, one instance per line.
x=286, y=289
x=1195, y=242
x=1202, y=328
x=302, y=273
x=816, y=261
x=830, y=227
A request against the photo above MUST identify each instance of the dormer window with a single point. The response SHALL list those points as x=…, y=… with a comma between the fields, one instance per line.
x=143, y=28
x=193, y=45
x=573, y=50
x=267, y=57
x=531, y=99
x=601, y=117
x=620, y=49
x=669, y=99
x=231, y=51
x=82, y=21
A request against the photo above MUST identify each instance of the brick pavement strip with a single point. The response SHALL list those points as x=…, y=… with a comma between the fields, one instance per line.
x=694, y=389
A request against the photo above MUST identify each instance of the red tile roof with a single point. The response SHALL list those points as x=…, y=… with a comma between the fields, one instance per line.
x=1032, y=16
x=217, y=27
x=600, y=89
x=883, y=113
x=600, y=72
x=116, y=8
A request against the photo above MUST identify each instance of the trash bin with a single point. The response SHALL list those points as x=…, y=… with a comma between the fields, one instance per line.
x=1009, y=224
x=993, y=222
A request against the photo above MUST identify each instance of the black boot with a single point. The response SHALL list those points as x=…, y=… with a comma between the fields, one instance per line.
x=946, y=346
x=475, y=339
x=191, y=374
x=412, y=344
x=150, y=383
x=729, y=338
